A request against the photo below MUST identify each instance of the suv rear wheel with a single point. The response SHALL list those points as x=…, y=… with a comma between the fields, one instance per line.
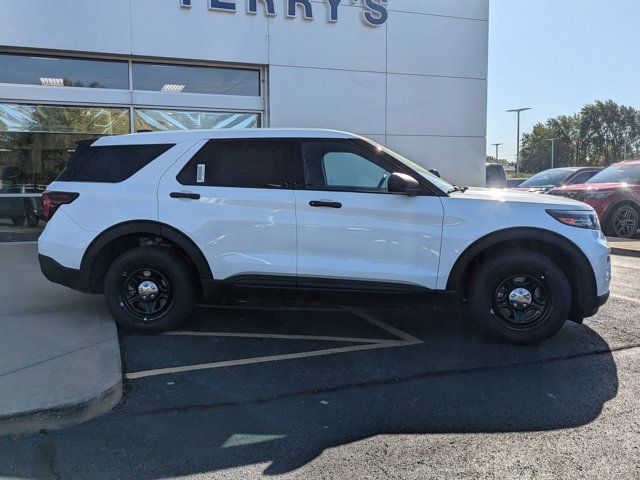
x=624, y=221
x=149, y=290
x=520, y=297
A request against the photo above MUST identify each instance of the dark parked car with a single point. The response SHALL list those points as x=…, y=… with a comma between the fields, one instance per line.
x=496, y=176
x=557, y=177
x=24, y=206
x=615, y=194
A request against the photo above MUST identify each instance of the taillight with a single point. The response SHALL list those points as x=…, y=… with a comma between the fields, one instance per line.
x=52, y=200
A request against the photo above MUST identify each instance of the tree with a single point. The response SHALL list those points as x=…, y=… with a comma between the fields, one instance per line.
x=594, y=137
x=604, y=126
x=536, y=146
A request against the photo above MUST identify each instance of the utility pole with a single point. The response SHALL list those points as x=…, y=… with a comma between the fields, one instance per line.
x=626, y=140
x=518, y=111
x=553, y=151
x=497, y=145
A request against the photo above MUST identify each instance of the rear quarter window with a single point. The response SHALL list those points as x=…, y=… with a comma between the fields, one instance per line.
x=109, y=164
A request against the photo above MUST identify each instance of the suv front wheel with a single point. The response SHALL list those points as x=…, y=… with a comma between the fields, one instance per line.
x=520, y=297
x=149, y=290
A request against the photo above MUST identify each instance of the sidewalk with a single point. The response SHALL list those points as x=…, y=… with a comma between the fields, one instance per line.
x=624, y=246
x=59, y=353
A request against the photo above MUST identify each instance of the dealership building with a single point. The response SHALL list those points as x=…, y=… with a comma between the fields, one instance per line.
x=409, y=74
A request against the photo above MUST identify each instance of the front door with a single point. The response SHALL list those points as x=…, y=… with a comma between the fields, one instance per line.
x=232, y=199
x=351, y=228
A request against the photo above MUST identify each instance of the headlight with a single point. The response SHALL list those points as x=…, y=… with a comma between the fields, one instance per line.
x=576, y=218
x=598, y=194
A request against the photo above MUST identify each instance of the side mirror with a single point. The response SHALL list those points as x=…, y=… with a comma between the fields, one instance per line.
x=403, y=183
x=435, y=172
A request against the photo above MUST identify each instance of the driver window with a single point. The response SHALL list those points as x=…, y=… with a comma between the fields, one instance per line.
x=345, y=170
x=342, y=168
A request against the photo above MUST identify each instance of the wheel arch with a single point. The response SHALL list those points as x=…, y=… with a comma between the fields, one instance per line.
x=99, y=254
x=563, y=251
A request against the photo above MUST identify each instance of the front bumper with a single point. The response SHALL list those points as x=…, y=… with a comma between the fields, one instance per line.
x=593, y=304
x=69, y=277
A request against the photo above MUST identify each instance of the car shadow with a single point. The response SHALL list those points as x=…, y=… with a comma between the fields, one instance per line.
x=285, y=414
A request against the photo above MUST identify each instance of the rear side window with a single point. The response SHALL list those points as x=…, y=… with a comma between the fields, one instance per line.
x=243, y=164
x=496, y=175
x=109, y=164
x=582, y=177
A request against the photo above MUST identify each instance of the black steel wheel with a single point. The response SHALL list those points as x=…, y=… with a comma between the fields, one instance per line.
x=520, y=296
x=522, y=301
x=149, y=289
x=146, y=294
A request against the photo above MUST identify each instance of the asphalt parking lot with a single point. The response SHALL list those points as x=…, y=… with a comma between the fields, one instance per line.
x=305, y=389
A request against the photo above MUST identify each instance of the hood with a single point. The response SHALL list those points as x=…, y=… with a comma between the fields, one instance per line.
x=518, y=196
x=586, y=187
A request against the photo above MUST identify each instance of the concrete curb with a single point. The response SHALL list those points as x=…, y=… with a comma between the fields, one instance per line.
x=623, y=252
x=63, y=415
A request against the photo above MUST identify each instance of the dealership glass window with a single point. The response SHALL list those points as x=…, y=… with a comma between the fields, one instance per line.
x=194, y=79
x=35, y=144
x=159, y=120
x=63, y=72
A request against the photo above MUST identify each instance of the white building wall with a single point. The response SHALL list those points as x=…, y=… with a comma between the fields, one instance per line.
x=418, y=83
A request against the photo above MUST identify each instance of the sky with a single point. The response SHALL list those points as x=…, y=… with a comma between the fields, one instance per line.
x=556, y=56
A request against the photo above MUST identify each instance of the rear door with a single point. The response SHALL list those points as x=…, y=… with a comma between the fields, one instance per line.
x=351, y=228
x=232, y=198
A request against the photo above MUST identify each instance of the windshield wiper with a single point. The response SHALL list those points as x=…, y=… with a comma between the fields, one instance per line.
x=457, y=189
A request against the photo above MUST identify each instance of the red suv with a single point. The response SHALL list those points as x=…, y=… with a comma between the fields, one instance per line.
x=615, y=194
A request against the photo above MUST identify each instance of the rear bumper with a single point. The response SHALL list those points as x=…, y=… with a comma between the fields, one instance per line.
x=69, y=277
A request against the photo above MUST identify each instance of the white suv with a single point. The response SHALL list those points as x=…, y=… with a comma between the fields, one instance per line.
x=160, y=221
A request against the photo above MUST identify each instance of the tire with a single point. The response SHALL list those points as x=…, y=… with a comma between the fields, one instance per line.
x=149, y=290
x=18, y=221
x=510, y=319
x=31, y=218
x=623, y=221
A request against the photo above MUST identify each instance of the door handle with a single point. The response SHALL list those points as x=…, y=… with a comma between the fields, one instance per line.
x=190, y=196
x=318, y=203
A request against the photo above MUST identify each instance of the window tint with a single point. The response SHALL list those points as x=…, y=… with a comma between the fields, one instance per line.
x=111, y=164
x=343, y=167
x=244, y=164
x=496, y=175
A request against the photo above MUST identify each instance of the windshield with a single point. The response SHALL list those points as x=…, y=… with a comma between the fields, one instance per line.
x=549, y=178
x=618, y=174
x=437, y=181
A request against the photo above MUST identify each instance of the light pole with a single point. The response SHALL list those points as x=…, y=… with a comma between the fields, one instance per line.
x=497, y=145
x=518, y=111
x=553, y=150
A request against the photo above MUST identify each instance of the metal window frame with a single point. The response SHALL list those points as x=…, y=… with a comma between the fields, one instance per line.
x=21, y=94
x=132, y=99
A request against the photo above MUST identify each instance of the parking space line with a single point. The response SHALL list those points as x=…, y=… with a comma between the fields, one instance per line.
x=410, y=339
x=406, y=340
x=272, y=358
x=276, y=336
